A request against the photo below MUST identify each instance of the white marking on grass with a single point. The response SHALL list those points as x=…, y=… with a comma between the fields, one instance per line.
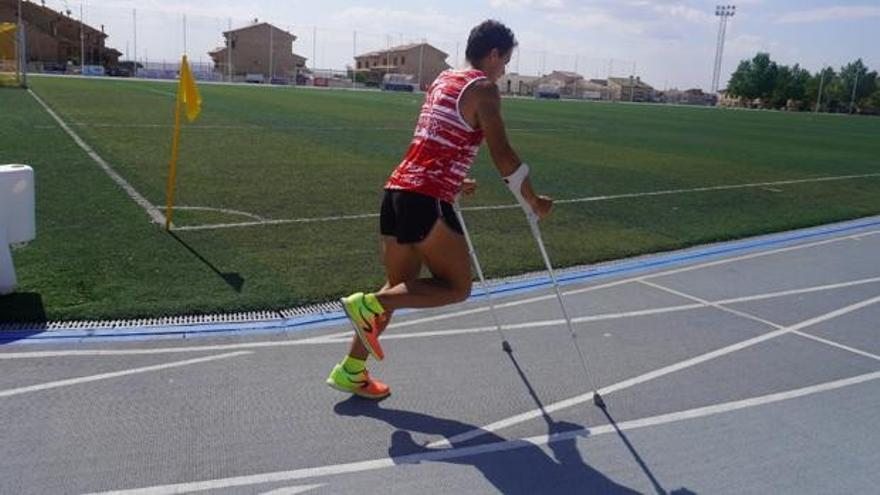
x=446, y=454
x=154, y=213
x=688, y=363
x=115, y=374
x=408, y=128
x=559, y=201
x=220, y=210
x=159, y=92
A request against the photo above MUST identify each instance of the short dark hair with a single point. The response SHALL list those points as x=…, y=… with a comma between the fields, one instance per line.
x=487, y=35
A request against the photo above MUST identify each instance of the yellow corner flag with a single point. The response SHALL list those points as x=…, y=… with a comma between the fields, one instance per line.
x=188, y=97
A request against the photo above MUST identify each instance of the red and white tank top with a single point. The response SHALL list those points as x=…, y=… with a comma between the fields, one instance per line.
x=444, y=146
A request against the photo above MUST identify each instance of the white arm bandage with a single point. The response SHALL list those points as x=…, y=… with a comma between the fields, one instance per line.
x=514, y=182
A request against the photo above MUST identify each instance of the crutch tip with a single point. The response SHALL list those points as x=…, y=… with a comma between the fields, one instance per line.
x=506, y=346
x=597, y=399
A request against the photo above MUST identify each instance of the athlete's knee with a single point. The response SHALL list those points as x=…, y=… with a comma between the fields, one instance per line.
x=462, y=290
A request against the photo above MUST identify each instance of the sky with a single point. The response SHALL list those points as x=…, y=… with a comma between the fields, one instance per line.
x=668, y=43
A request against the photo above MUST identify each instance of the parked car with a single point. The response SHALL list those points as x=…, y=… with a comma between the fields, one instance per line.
x=549, y=91
x=398, y=82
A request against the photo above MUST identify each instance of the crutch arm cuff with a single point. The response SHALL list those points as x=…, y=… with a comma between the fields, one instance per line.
x=514, y=182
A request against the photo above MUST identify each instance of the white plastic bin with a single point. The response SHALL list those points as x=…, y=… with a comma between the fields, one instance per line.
x=17, y=217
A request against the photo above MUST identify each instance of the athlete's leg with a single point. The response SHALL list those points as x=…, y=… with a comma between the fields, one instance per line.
x=445, y=253
x=402, y=263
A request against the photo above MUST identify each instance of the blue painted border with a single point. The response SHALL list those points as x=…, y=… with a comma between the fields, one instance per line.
x=312, y=322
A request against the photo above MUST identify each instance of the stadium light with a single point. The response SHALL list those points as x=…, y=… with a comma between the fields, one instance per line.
x=723, y=12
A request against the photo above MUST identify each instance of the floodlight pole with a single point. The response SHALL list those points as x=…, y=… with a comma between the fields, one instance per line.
x=21, y=53
x=821, y=84
x=229, y=49
x=852, y=102
x=134, y=23
x=82, y=42
x=354, y=54
x=724, y=12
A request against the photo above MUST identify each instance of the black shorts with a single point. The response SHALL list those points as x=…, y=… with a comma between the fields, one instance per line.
x=410, y=216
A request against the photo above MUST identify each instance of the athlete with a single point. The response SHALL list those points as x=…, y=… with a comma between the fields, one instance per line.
x=417, y=221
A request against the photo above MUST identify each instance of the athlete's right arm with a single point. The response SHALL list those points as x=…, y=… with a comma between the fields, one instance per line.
x=488, y=115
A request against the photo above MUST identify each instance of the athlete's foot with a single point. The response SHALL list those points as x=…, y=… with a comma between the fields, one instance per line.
x=360, y=384
x=368, y=319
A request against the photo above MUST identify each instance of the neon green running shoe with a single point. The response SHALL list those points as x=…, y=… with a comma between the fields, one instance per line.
x=360, y=384
x=367, y=319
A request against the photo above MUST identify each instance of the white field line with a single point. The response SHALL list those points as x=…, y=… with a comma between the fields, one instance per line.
x=156, y=216
x=115, y=374
x=197, y=126
x=688, y=363
x=220, y=210
x=159, y=92
x=559, y=201
x=346, y=336
x=447, y=454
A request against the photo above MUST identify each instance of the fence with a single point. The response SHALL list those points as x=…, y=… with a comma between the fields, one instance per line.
x=149, y=43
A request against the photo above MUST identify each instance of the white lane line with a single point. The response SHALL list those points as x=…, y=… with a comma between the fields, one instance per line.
x=292, y=490
x=338, y=337
x=558, y=201
x=750, y=316
x=501, y=446
x=153, y=213
x=717, y=306
x=616, y=283
x=535, y=413
x=793, y=292
x=838, y=345
x=115, y=374
x=160, y=350
x=533, y=324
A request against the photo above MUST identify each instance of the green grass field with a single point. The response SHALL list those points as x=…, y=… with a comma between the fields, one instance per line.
x=286, y=153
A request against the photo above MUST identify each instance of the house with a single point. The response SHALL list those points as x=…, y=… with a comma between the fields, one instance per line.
x=573, y=85
x=517, y=84
x=727, y=100
x=420, y=60
x=54, y=39
x=693, y=96
x=258, y=52
x=630, y=89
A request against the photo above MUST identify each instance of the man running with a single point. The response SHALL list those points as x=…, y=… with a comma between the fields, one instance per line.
x=417, y=220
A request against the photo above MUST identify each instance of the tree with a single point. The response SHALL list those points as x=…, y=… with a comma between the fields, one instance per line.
x=855, y=76
x=829, y=82
x=755, y=79
x=738, y=85
x=790, y=85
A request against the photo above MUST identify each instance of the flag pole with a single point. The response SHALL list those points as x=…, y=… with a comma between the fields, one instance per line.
x=172, y=166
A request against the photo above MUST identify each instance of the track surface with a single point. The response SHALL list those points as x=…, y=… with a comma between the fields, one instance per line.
x=755, y=373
